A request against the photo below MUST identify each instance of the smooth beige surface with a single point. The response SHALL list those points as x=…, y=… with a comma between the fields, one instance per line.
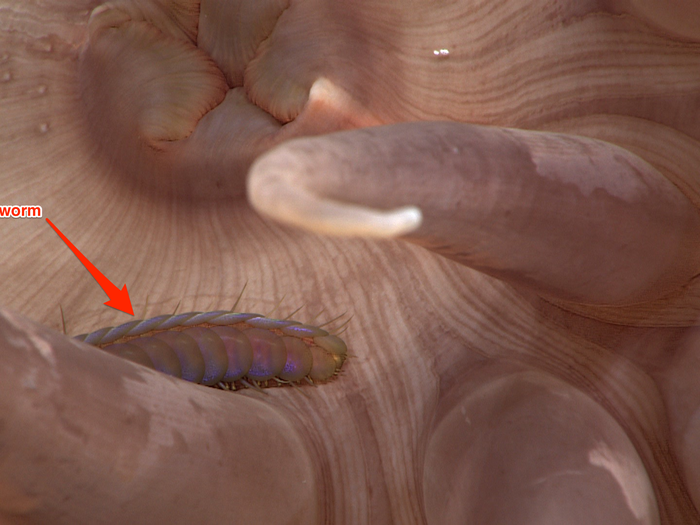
x=537, y=381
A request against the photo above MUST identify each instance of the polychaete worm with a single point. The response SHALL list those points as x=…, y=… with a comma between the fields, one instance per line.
x=226, y=349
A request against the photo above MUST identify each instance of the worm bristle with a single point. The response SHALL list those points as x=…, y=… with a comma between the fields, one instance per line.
x=334, y=319
x=321, y=312
x=343, y=326
x=238, y=299
x=63, y=320
x=145, y=307
x=294, y=312
x=269, y=314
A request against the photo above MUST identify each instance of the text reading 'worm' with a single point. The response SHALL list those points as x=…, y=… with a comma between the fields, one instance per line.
x=226, y=349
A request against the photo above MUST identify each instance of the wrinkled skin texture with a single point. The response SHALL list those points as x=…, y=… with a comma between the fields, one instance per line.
x=528, y=354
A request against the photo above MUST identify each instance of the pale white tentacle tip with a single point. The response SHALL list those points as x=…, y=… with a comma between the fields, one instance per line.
x=276, y=193
x=329, y=217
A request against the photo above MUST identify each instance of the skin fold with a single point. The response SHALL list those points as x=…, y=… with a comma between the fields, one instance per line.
x=512, y=223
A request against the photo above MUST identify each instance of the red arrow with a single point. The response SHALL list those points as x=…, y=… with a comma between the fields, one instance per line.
x=118, y=299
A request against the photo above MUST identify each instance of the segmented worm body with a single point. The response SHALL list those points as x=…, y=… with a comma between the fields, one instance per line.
x=226, y=349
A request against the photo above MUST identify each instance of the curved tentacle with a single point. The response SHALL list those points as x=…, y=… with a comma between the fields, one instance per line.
x=572, y=218
x=80, y=422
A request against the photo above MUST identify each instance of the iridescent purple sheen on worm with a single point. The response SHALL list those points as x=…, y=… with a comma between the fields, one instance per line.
x=226, y=349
